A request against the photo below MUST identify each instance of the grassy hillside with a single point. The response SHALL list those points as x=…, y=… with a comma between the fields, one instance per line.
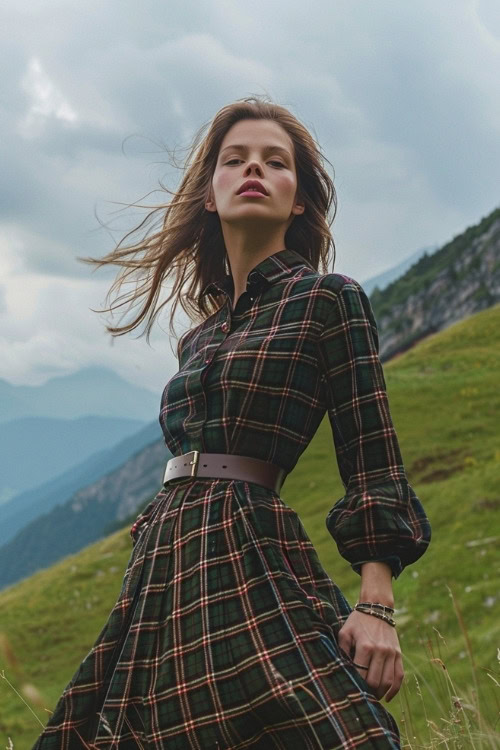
x=444, y=400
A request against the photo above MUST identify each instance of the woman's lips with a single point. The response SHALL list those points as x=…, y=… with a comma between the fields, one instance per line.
x=252, y=194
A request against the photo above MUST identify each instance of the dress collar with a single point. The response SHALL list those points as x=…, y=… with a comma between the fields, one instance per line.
x=268, y=271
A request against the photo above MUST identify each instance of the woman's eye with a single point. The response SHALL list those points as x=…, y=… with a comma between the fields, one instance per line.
x=273, y=161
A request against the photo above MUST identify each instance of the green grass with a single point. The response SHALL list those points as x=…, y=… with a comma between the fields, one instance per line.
x=444, y=401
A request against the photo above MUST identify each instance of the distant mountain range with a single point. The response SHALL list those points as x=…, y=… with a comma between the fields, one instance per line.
x=48, y=429
x=91, y=390
x=34, y=450
x=29, y=505
x=384, y=279
x=86, y=516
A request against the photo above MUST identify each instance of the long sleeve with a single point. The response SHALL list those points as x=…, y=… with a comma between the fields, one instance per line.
x=380, y=518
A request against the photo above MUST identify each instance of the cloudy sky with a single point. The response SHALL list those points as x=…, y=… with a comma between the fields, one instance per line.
x=403, y=97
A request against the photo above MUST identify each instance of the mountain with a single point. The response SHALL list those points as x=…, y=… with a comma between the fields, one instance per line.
x=35, y=502
x=85, y=516
x=444, y=400
x=385, y=278
x=91, y=390
x=34, y=450
x=460, y=279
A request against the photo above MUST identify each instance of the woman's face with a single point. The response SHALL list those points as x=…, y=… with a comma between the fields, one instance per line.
x=258, y=150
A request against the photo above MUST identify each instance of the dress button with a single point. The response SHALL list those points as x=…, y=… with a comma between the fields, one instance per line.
x=224, y=327
x=207, y=361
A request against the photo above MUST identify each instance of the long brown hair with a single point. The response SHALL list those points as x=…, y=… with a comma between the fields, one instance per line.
x=189, y=244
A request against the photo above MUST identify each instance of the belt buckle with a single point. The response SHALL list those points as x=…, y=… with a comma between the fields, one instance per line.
x=194, y=463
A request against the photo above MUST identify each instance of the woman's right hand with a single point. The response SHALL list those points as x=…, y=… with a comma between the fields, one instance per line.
x=376, y=645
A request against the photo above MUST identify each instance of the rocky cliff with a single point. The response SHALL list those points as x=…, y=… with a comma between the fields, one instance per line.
x=460, y=279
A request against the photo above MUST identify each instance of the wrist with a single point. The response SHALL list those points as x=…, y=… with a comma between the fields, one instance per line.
x=386, y=600
x=376, y=584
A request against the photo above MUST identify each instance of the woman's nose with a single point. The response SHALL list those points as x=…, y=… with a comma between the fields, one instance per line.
x=254, y=166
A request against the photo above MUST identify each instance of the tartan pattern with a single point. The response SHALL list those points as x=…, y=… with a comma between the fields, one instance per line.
x=224, y=634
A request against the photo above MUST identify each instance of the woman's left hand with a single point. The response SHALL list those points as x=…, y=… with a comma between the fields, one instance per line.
x=375, y=644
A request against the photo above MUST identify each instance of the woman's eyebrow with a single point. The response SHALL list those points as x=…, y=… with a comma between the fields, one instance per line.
x=241, y=147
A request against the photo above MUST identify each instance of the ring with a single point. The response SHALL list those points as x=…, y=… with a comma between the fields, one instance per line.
x=359, y=666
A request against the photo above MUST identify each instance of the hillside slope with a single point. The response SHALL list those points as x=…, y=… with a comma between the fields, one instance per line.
x=440, y=289
x=444, y=400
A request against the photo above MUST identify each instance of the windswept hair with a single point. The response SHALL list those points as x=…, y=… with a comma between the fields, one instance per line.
x=189, y=245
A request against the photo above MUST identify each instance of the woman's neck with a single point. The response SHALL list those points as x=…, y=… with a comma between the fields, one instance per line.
x=246, y=250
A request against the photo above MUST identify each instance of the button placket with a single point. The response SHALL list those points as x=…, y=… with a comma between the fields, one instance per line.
x=224, y=326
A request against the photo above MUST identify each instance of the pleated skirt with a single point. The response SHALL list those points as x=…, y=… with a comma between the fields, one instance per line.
x=223, y=637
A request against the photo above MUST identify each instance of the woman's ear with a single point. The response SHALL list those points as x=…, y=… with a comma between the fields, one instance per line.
x=298, y=207
x=210, y=202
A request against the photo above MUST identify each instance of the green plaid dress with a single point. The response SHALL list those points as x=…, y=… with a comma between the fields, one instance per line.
x=224, y=635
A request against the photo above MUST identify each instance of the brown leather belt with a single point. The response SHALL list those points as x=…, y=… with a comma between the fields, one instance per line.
x=225, y=466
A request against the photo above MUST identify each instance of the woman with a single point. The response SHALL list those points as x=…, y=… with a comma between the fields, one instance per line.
x=228, y=632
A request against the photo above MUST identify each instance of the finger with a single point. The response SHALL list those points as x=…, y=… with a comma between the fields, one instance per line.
x=387, y=678
x=397, y=678
x=345, y=642
x=375, y=678
x=362, y=658
x=361, y=670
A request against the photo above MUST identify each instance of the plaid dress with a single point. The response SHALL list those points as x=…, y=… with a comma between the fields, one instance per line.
x=224, y=635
